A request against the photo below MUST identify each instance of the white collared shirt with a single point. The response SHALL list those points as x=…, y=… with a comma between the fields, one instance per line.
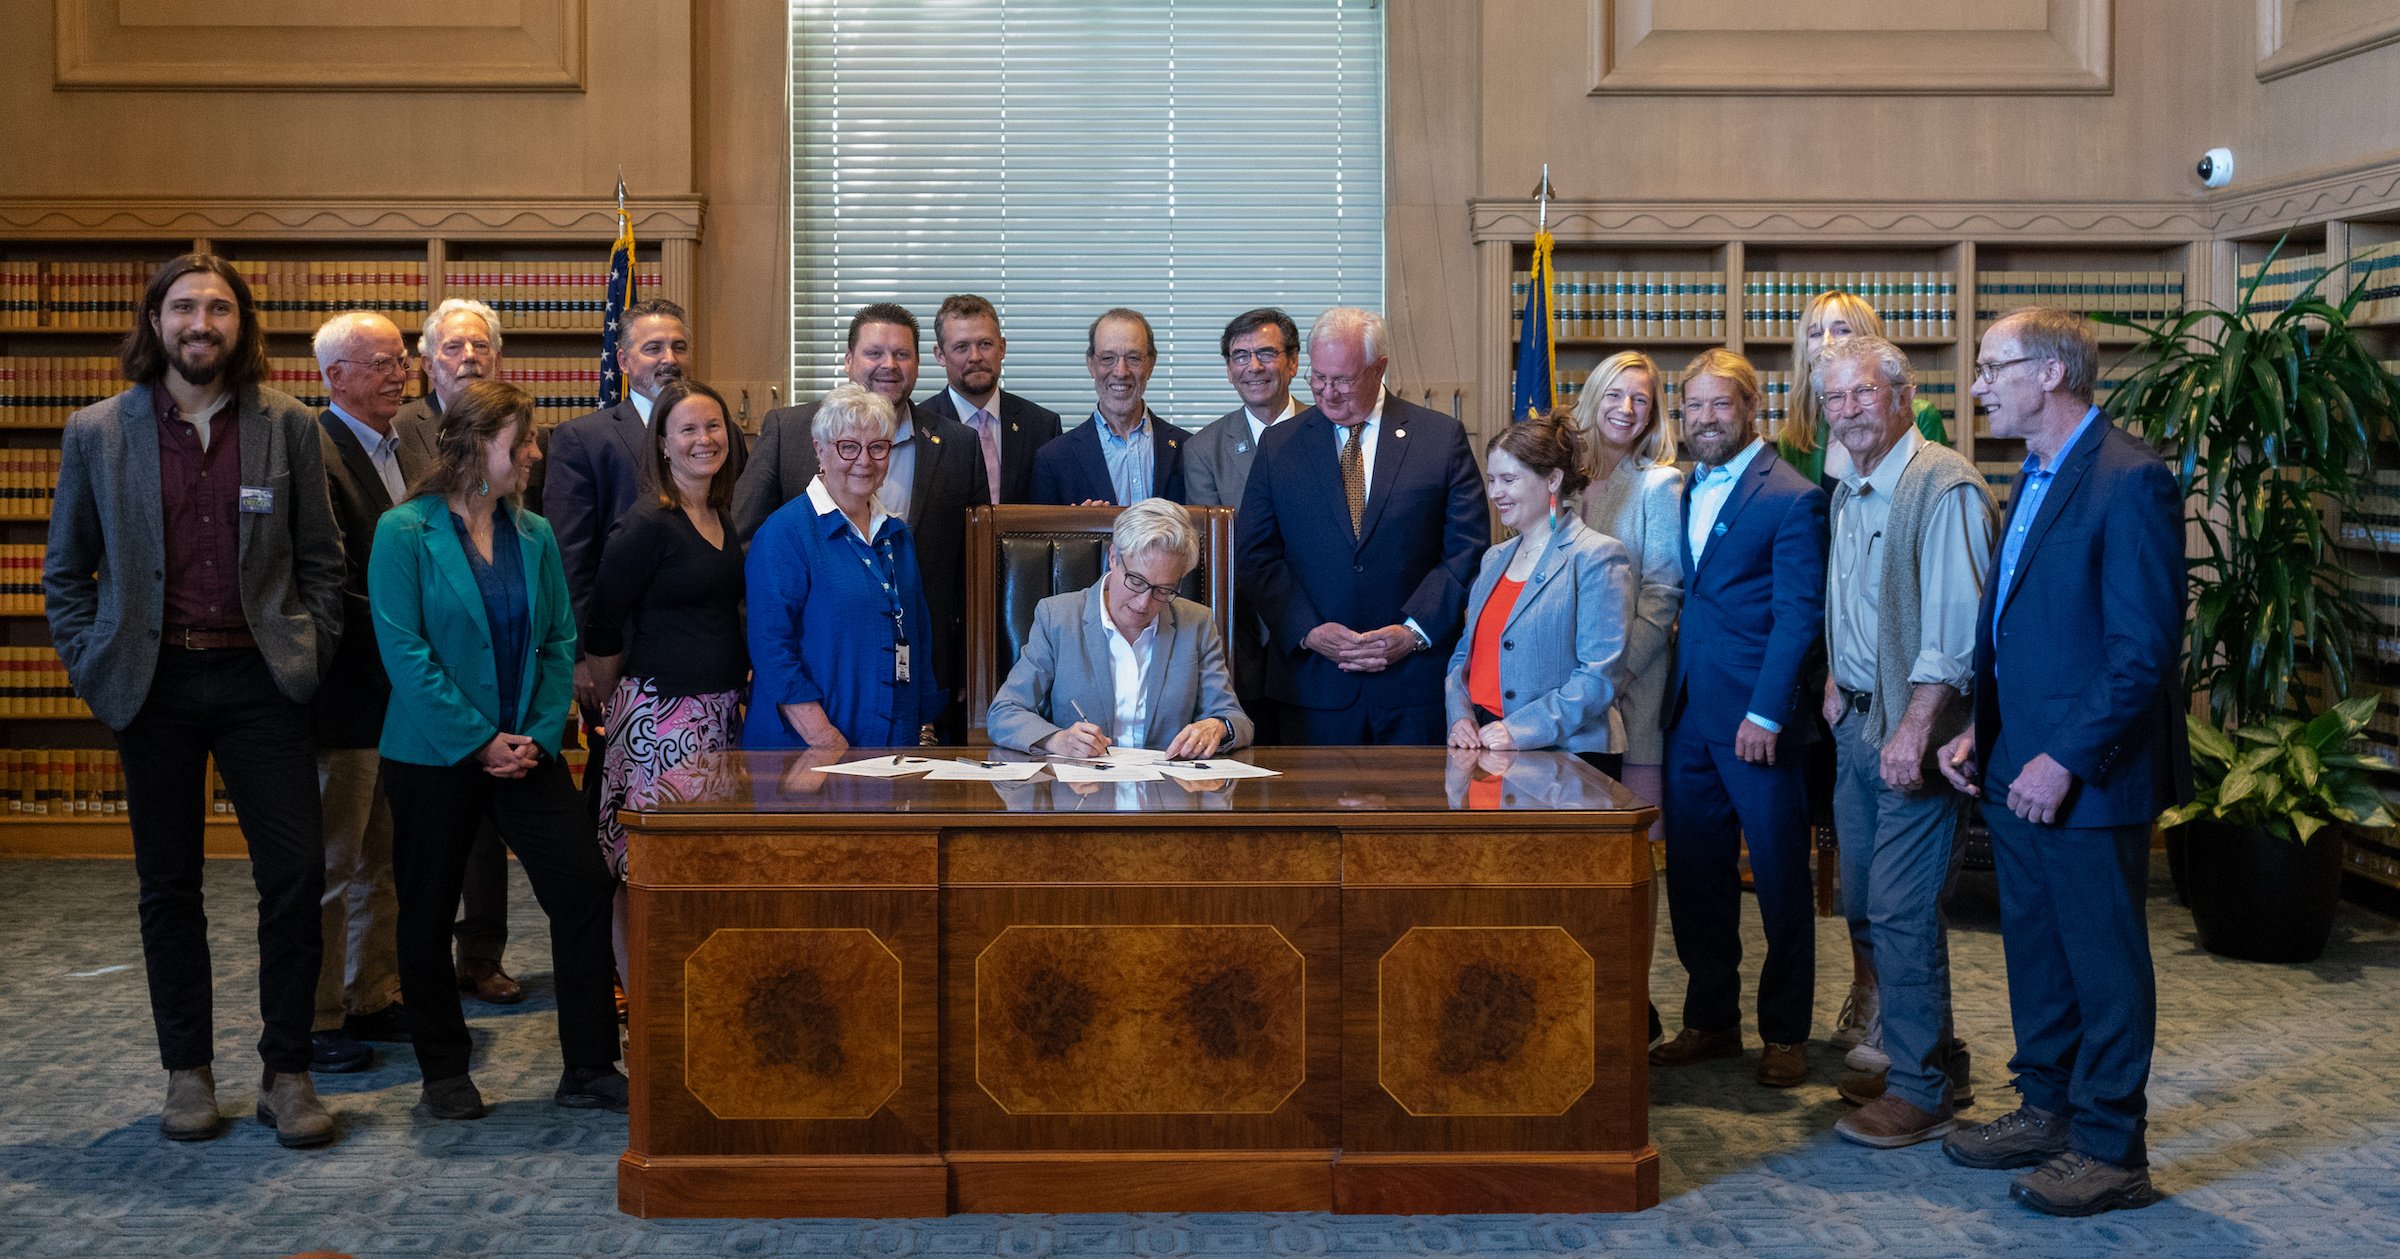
x=1710, y=488
x=383, y=450
x=899, y=488
x=1258, y=427
x=1369, y=436
x=641, y=406
x=1128, y=663
x=822, y=499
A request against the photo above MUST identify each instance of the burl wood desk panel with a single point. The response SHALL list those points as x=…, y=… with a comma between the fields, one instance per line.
x=1390, y=980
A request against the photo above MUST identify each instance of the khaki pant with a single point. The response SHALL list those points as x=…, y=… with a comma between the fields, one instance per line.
x=360, y=974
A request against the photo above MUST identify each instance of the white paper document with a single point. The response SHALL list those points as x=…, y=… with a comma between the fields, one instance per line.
x=964, y=770
x=1197, y=770
x=1103, y=772
x=882, y=766
x=1123, y=756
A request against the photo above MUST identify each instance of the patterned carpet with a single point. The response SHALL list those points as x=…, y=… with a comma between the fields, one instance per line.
x=2275, y=1128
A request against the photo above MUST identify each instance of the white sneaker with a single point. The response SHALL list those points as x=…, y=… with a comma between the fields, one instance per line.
x=1867, y=1054
x=1859, y=1012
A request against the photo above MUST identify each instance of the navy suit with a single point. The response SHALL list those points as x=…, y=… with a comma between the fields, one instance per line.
x=1753, y=610
x=1425, y=529
x=1072, y=468
x=2085, y=667
x=1025, y=427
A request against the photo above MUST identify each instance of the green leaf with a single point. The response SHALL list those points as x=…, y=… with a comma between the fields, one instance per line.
x=2239, y=783
x=2305, y=768
x=2208, y=741
x=2306, y=825
x=2181, y=814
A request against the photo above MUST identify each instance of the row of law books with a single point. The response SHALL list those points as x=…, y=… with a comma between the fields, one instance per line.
x=2143, y=295
x=1910, y=303
x=2280, y=282
x=28, y=483
x=1631, y=303
x=2377, y=269
x=2000, y=474
x=301, y=295
x=41, y=391
x=2374, y=522
x=66, y=782
x=33, y=683
x=560, y=296
x=98, y=295
x=21, y=579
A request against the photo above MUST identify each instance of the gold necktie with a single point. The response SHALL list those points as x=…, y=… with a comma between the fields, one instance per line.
x=1354, y=479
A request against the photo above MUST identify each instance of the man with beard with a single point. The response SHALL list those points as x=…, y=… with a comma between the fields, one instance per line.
x=936, y=473
x=1262, y=354
x=193, y=585
x=1753, y=609
x=367, y=470
x=1124, y=453
x=460, y=343
x=968, y=344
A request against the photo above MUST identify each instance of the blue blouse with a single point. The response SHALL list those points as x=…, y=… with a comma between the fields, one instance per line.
x=821, y=629
x=501, y=580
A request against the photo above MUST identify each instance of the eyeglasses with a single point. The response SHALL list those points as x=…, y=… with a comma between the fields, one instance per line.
x=1111, y=362
x=1862, y=398
x=1985, y=371
x=1136, y=587
x=380, y=365
x=1318, y=382
x=850, y=450
x=1267, y=357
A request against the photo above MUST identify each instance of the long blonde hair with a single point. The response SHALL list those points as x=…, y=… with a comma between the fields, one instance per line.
x=1798, y=432
x=1656, y=445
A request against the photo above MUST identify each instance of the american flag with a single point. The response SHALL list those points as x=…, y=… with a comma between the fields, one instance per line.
x=620, y=299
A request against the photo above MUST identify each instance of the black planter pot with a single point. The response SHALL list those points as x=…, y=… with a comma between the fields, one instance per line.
x=2257, y=898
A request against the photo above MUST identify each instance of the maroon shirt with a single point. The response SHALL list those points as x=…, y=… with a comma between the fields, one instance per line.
x=199, y=494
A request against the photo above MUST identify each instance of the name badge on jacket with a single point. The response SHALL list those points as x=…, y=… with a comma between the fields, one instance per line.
x=258, y=500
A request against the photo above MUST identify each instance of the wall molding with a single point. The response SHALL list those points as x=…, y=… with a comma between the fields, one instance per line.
x=1662, y=47
x=2297, y=35
x=529, y=218
x=206, y=45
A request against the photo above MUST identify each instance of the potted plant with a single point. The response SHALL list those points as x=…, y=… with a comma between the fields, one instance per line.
x=2272, y=421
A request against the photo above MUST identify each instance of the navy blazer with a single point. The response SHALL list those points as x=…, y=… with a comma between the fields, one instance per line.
x=2087, y=664
x=1753, y=607
x=1026, y=427
x=599, y=463
x=1071, y=468
x=1426, y=527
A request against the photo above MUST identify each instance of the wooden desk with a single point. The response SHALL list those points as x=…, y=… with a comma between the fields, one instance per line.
x=1373, y=984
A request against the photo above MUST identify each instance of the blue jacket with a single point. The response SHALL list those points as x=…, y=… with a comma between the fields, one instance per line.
x=436, y=639
x=2087, y=664
x=821, y=631
x=1426, y=526
x=1562, y=649
x=1073, y=466
x=1753, y=607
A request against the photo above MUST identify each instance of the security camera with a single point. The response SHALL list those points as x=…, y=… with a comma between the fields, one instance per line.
x=2216, y=168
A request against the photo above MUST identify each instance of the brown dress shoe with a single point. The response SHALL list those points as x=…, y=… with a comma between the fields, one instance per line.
x=487, y=983
x=1693, y=1045
x=287, y=1102
x=1782, y=1066
x=1887, y=1123
x=191, y=1110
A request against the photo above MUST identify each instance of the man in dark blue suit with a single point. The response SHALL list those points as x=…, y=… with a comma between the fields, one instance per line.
x=1008, y=429
x=1124, y=453
x=1360, y=531
x=1753, y=609
x=2078, y=745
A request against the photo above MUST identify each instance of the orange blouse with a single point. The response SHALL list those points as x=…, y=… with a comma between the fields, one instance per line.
x=1483, y=660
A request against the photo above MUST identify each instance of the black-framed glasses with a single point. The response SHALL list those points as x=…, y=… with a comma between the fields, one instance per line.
x=1985, y=371
x=1318, y=382
x=1139, y=587
x=851, y=450
x=1268, y=356
x=381, y=364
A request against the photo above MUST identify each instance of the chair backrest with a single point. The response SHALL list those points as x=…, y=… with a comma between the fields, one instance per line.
x=1020, y=554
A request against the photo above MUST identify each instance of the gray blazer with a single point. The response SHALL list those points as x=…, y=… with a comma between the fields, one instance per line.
x=1066, y=664
x=1641, y=505
x=1216, y=461
x=104, y=577
x=1562, y=648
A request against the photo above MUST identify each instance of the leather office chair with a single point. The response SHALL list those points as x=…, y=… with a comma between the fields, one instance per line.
x=1020, y=554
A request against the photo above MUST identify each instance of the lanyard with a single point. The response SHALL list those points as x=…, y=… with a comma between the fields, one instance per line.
x=883, y=574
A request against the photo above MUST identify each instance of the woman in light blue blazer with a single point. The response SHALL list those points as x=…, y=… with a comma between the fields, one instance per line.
x=1636, y=497
x=1540, y=662
x=471, y=616
x=1125, y=662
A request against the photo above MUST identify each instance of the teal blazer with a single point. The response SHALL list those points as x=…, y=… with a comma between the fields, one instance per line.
x=437, y=641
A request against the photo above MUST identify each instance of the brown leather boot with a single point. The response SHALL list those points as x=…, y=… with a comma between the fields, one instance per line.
x=287, y=1102
x=191, y=1110
x=1693, y=1045
x=486, y=982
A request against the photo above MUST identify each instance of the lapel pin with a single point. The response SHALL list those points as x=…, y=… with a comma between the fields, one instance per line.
x=1399, y=432
x=1012, y=428
x=1718, y=531
x=1241, y=448
x=937, y=438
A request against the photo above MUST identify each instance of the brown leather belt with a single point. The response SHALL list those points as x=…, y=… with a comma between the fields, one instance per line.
x=191, y=639
x=1855, y=701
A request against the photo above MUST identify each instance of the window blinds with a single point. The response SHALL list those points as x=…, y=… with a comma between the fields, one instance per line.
x=1188, y=158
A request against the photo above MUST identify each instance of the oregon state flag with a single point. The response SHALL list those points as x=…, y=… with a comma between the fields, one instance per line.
x=620, y=299
x=1537, y=340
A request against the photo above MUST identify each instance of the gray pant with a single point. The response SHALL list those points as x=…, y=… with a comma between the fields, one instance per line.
x=1900, y=856
x=361, y=971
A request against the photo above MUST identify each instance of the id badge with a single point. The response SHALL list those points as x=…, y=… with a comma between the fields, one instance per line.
x=258, y=500
x=900, y=661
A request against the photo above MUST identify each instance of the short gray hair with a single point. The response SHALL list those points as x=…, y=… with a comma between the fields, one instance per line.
x=851, y=410
x=452, y=306
x=1156, y=524
x=1864, y=348
x=1342, y=321
x=336, y=336
x=2046, y=332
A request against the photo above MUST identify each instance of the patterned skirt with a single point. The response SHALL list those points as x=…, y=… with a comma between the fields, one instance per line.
x=650, y=737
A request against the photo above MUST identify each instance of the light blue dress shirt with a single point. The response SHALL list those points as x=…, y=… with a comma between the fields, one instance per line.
x=383, y=450
x=2033, y=485
x=1129, y=460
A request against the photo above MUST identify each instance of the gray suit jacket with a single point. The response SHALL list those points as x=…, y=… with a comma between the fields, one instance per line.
x=1562, y=647
x=104, y=577
x=1066, y=664
x=1216, y=461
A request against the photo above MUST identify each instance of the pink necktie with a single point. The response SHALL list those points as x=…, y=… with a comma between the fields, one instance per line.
x=987, y=431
